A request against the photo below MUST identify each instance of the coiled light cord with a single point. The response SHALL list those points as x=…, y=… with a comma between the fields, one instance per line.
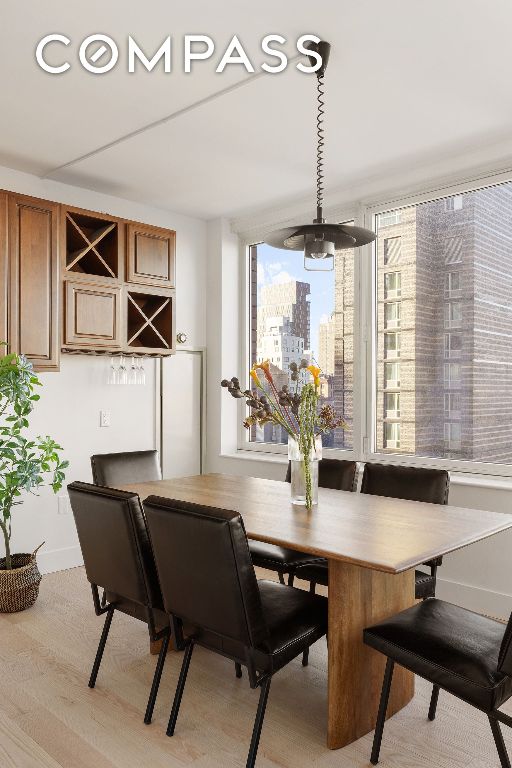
x=320, y=142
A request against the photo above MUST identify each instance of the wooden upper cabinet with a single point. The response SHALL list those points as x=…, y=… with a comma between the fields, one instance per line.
x=34, y=280
x=151, y=254
x=4, y=295
x=92, y=315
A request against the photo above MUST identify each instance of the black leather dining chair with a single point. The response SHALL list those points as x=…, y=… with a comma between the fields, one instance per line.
x=119, y=560
x=115, y=469
x=414, y=484
x=459, y=651
x=261, y=625
x=332, y=473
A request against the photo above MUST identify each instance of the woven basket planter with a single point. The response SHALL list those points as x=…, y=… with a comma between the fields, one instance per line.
x=19, y=587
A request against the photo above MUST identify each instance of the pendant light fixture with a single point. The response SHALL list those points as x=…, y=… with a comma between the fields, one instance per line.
x=320, y=241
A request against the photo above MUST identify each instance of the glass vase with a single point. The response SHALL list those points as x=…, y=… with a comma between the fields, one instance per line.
x=304, y=472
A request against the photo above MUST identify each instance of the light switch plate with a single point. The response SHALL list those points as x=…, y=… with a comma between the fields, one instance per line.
x=105, y=420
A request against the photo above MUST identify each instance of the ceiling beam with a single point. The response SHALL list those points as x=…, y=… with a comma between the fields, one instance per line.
x=162, y=121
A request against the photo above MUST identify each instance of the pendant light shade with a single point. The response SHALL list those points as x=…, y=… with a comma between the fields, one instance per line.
x=319, y=240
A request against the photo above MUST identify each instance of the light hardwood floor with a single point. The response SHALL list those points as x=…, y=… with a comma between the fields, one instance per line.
x=50, y=719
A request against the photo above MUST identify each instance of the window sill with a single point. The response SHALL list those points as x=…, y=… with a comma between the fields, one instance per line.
x=270, y=458
x=499, y=483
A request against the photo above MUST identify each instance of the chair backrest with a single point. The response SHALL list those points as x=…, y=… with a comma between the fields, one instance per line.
x=333, y=473
x=205, y=569
x=114, y=469
x=115, y=542
x=505, y=655
x=412, y=483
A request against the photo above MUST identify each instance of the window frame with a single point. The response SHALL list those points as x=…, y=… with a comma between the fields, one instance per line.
x=365, y=214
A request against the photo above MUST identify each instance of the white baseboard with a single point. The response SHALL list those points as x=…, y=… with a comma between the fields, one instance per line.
x=60, y=559
x=497, y=604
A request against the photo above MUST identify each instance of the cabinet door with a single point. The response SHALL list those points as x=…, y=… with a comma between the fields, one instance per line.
x=34, y=280
x=93, y=315
x=4, y=297
x=151, y=255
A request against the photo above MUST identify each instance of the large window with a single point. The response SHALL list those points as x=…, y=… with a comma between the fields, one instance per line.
x=297, y=315
x=413, y=334
x=455, y=369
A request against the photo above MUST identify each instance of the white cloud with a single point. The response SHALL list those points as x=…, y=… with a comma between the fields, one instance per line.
x=323, y=318
x=283, y=277
x=274, y=267
x=260, y=275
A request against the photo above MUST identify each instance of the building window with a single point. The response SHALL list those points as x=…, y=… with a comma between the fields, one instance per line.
x=392, y=375
x=452, y=375
x=452, y=285
x=452, y=405
x=391, y=435
x=392, y=285
x=392, y=405
x=392, y=314
x=392, y=250
x=454, y=203
x=452, y=435
x=388, y=219
x=392, y=342
x=296, y=314
x=452, y=345
x=453, y=315
x=453, y=250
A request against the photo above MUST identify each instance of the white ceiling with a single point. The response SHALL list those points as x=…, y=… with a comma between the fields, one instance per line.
x=406, y=81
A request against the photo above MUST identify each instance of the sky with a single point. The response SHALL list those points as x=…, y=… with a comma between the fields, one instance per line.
x=276, y=265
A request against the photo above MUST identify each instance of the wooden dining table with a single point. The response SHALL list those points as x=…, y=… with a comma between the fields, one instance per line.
x=372, y=543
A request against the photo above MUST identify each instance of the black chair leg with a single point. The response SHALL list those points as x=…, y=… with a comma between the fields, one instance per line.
x=238, y=669
x=258, y=723
x=291, y=579
x=101, y=648
x=381, y=717
x=312, y=587
x=305, y=658
x=156, y=679
x=500, y=744
x=281, y=577
x=179, y=690
x=433, y=703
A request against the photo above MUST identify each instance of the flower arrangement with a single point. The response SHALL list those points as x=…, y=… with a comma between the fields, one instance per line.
x=295, y=408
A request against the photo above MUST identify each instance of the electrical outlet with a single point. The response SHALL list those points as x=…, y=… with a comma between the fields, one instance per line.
x=63, y=504
x=105, y=420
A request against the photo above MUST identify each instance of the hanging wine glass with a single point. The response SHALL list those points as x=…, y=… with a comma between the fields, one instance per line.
x=112, y=372
x=132, y=377
x=142, y=372
x=123, y=373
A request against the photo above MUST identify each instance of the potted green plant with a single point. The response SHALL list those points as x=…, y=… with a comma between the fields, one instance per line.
x=24, y=464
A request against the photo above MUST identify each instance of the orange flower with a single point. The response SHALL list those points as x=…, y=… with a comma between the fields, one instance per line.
x=265, y=367
x=315, y=372
x=254, y=377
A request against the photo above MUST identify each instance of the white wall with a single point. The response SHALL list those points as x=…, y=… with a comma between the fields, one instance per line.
x=69, y=411
x=71, y=399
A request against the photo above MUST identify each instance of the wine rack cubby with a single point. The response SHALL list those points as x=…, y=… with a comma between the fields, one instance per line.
x=150, y=320
x=92, y=246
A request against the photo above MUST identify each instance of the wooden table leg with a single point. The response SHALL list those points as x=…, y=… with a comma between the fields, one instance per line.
x=155, y=646
x=358, y=598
